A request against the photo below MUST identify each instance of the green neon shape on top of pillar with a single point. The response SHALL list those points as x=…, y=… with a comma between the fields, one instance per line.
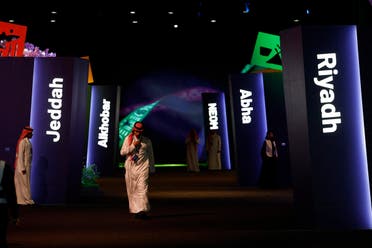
x=266, y=53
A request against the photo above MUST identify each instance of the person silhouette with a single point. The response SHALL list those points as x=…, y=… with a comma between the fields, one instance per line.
x=213, y=147
x=269, y=155
x=192, y=159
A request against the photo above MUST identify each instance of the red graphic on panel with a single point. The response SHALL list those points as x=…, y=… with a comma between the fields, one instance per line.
x=12, y=39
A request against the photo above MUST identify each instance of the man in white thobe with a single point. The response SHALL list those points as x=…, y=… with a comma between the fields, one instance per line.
x=139, y=160
x=213, y=148
x=22, y=167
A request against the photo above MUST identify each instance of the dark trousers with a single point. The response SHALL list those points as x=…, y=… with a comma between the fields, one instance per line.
x=268, y=177
x=4, y=221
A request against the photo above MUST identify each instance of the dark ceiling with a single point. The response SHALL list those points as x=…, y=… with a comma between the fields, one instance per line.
x=105, y=32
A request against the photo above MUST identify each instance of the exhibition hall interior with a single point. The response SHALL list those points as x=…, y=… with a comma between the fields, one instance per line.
x=132, y=42
x=81, y=75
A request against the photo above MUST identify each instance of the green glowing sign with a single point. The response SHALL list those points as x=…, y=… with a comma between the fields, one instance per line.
x=266, y=53
x=126, y=124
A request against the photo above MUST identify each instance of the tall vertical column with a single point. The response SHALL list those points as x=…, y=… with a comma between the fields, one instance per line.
x=103, y=128
x=249, y=125
x=365, y=54
x=15, y=99
x=58, y=116
x=325, y=126
x=214, y=111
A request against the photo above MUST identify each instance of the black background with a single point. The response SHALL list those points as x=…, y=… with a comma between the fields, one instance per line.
x=104, y=32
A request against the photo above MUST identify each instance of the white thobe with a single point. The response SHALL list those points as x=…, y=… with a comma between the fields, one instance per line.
x=137, y=173
x=192, y=154
x=214, y=152
x=22, y=180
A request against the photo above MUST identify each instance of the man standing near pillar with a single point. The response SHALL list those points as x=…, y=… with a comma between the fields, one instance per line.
x=22, y=167
x=269, y=155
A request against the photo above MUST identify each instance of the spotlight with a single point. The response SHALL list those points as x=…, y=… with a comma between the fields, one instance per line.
x=246, y=7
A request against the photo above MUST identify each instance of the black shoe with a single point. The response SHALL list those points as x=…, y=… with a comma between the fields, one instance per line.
x=137, y=215
x=141, y=215
x=145, y=217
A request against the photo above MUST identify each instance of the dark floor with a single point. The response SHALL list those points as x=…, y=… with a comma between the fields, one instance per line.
x=205, y=209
